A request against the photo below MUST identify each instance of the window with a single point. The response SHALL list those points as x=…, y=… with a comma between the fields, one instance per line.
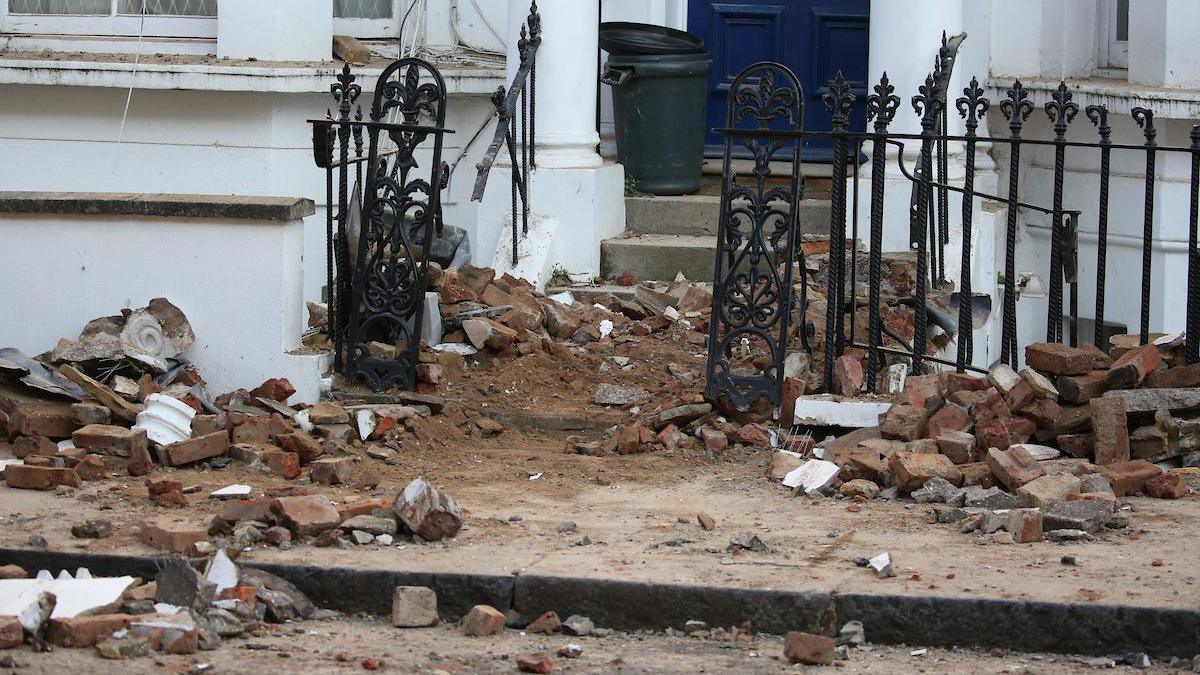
x=1114, y=36
x=373, y=18
x=159, y=18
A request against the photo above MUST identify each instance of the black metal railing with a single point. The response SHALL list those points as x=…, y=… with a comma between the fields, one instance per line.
x=753, y=296
x=387, y=223
x=516, y=118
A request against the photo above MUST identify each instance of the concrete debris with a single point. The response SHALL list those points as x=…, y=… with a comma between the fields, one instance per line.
x=428, y=512
x=882, y=565
x=813, y=477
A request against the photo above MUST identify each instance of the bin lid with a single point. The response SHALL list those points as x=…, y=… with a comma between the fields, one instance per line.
x=624, y=37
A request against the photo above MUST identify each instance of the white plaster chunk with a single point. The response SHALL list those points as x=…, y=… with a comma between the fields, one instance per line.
x=825, y=410
x=813, y=477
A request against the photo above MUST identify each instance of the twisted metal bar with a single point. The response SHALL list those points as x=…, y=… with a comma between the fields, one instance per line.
x=1098, y=114
x=1061, y=110
x=881, y=107
x=972, y=105
x=839, y=100
x=1145, y=119
x=1193, y=306
x=1017, y=109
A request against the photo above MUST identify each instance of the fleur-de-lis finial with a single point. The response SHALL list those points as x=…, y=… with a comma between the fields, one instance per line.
x=1098, y=114
x=928, y=102
x=972, y=105
x=1016, y=108
x=535, y=22
x=883, y=103
x=1145, y=119
x=839, y=101
x=345, y=92
x=1061, y=110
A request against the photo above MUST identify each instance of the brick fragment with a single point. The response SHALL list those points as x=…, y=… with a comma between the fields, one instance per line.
x=25, y=477
x=276, y=389
x=956, y=382
x=237, y=510
x=1173, y=378
x=1166, y=486
x=977, y=473
x=33, y=446
x=1013, y=467
x=91, y=467
x=923, y=391
x=207, y=424
x=1076, y=445
x=196, y=449
x=172, y=535
x=306, y=447
x=332, y=470
x=912, y=470
x=307, y=515
x=1046, y=490
x=959, y=446
x=1133, y=366
x=1025, y=525
x=990, y=405
x=847, y=376
x=1004, y=431
x=1110, y=429
x=950, y=417
x=85, y=631
x=42, y=418
x=808, y=649
x=1044, y=412
x=1058, y=359
x=140, y=463
x=251, y=430
x=483, y=620
x=91, y=413
x=1080, y=389
x=104, y=439
x=904, y=422
x=11, y=632
x=1129, y=477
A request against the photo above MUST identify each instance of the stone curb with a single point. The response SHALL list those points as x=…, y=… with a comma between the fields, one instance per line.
x=629, y=605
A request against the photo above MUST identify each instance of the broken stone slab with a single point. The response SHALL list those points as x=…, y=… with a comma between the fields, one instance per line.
x=992, y=498
x=814, y=477
x=370, y=524
x=1040, y=453
x=120, y=407
x=1047, y=490
x=611, y=394
x=747, y=541
x=180, y=585
x=1153, y=400
x=827, y=410
x=236, y=491
x=73, y=596
x=1080, y=514
x=427, y=511
x=681, y=415
x=935, y=490
x=37, y=376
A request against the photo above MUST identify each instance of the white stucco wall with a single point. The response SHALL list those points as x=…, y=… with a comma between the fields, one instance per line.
x=62, y=271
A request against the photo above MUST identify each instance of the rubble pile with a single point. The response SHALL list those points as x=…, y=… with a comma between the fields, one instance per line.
x=1047, y=452
x=182, y=611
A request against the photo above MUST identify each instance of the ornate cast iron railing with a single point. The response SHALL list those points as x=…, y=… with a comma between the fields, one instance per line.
x=381, y=296
x=516, y=118
x=752, y=302
x=756, y=239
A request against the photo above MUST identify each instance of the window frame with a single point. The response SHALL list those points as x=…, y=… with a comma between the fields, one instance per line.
x=107, y=25
x=367, y=29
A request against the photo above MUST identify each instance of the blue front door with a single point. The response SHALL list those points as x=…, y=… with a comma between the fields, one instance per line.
x=815, y=38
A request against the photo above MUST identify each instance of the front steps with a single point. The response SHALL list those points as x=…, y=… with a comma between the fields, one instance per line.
x=667, y=235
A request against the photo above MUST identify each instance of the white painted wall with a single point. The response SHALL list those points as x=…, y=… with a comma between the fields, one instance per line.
x=268, y=30
x=63, y=270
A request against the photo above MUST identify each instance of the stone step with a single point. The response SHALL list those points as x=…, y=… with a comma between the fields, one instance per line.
x=659, y=256
x=696, y=215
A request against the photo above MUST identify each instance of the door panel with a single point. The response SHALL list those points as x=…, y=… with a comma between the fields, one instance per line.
x=815, y=38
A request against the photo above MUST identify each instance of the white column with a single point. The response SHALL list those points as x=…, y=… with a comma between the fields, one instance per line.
x=568, y=68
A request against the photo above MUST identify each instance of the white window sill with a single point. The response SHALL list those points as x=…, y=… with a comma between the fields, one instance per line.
x=1119, y=95
x=207, y=73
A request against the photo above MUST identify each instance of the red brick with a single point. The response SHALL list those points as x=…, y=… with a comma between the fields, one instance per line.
x=282, y=463
x=753, y=434
x=39, y=477
x=85, y=631
x=1133, y=366
x=989, y=406
x=1004, y=431
x=1013, y=467
x=1020, y=395
x=1025, y=525
x=1129, y=477
x=206, y=424
x=237, y=510
x=483, y=620
x=91, y=467
x=956, y=382
x=1058, y=359
x=959, y=446
x=1166, y=486
x=793, y=388
x=276, y=389
x=808, y=649
x=951, y=417
x=196, y=449
x=106, y=439
x=1080, y=389
x=332, y=470
x=252, y=430
x=977, y=473
x=43, y=418
x=904, y=422
x=1076, y=445
x=921, y=391
x=140, y=463
x=1043, y=412
x=308, y=515
x=33, y=446
x=847, y=376
x=1110, y=429
x=362, y=507
x=11, y=633
x=913, y=469
x=172, y=535
x=305, y=446
x=244, y=593
x=1174, y=378
x=535, y=663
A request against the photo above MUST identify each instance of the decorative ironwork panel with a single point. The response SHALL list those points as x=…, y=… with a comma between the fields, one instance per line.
x=401, y=207
x=756, y=242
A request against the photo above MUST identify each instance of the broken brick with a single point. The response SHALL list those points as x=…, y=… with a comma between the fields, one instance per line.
x=1110, y=429
x=1058, y=359
x=1046, y=490
x=990, y=405
x=1133, y=366
x=483, y=620
x=12, y=635
x=140, y=463
x=172, y=535
x=904, y=422
x=1129, y=477
x=85, y=631
x=808, y=649
x=924, y=391
x=847, y=376
x=1043, y=412
x=306, y=447
x=33, y=446
x=1080, y=389
x=207, y=424
x=237, y=510
x=91, y=467
x=959, y=446
x=951, y=417
x=251, y=430
x=1166, y=486
x=276, y=389
x=332, y=470
x=912, y=470
x=196, y=449
x=25, y=477
x=1025, y=525
x=1174, y=378
x=1076, y=445
x=1004, y=431
x=1013, y=467
x=104, y=439
x=42, y=418
x=977, y=473
x=308, y=515
x=956, y=382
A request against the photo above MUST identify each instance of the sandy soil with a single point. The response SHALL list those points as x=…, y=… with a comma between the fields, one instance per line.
x=341, y=646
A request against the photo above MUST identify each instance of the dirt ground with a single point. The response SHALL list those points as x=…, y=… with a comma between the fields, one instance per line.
x=342, y=646
x=635, y=516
